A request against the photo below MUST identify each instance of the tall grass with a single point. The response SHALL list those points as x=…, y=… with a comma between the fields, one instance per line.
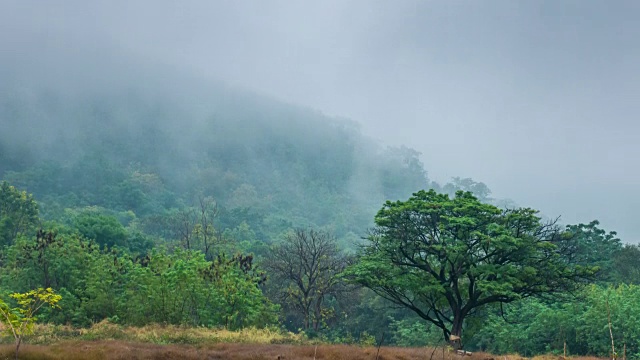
x=45, y=334
x=106, y=341
x=116, y=349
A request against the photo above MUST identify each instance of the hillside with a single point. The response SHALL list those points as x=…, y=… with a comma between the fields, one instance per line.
x=122, y=149
x=171, y=201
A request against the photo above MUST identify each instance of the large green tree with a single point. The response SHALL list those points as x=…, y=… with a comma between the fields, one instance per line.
x=590, y=245
x=445, y=258
x=104, y=229
x=626, y=264
x=18, y=213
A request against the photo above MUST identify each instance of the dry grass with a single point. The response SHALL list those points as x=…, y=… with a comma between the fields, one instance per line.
x=117, y=349
x=107, y=350
x=110, y=341
x=559, y=357
x=158, y=334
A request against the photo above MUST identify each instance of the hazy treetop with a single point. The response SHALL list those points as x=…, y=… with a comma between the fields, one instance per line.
x=536, y=99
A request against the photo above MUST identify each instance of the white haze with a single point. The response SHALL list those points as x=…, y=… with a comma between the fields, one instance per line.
x=537, y=99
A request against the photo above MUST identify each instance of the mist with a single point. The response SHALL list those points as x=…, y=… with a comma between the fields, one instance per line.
x=537, y=100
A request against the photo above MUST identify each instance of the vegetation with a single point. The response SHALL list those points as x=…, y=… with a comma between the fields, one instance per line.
x=244, y=221
x=308, y=264
x=446, y=258
x=18, y=213
x=118, y=349
x=19, y=321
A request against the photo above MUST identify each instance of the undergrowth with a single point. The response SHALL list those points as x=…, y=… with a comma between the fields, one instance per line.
x=46, y=334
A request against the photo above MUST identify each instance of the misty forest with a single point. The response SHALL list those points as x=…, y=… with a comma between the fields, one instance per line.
x=136, y=210
x=153, y=197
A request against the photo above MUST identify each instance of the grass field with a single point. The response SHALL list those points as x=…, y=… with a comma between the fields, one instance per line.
x=110, y=341
x=114, y=349
x=117, y=349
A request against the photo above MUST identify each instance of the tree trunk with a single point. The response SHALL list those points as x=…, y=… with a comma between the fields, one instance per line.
x=317, y=315
x=18, y=342
x=307, y=315
x=456, y=333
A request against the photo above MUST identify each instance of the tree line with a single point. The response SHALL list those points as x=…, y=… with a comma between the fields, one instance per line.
x=457, y=269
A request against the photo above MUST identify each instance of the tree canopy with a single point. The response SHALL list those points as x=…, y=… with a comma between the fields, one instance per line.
x=137, y=218
x=445, y=258
x=18, y=213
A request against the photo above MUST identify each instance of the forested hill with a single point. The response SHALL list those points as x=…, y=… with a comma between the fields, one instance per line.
x=152, y=199
x=142, y=154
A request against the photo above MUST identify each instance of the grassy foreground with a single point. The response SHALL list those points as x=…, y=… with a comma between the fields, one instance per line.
x=161, y=335
x=117, y=349
x=109, y=341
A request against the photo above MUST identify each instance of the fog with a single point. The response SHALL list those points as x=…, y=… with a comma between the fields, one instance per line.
x=538, y=100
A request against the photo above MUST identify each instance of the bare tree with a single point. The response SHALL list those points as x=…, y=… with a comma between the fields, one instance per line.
x=307, y=267
x=195, y=228
x=207, y=234
x=183, y=224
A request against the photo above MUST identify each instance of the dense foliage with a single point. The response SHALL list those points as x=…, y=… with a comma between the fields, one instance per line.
x=228, y=210
x=446, y=258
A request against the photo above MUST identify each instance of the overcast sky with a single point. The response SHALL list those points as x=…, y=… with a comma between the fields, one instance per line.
x=538, y=99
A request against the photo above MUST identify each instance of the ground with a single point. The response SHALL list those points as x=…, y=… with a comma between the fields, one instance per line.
x=115, y=349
